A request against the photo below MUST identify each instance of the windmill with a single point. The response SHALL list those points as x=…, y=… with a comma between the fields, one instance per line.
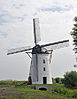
x=40, y=70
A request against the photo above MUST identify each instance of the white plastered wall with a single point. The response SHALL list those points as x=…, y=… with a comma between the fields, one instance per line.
x=41, y=72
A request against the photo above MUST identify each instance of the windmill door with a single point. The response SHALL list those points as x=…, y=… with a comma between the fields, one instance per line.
x=44, y=80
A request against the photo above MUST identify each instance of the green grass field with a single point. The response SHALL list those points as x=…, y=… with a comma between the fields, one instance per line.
x=9, y=91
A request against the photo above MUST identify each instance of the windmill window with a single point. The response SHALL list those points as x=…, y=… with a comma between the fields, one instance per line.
x=44, y=61
x=44, y=69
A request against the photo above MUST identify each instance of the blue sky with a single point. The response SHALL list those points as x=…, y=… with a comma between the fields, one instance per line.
x=2, y=20
x=57, y=8
x=4, y=34
x=16, y=30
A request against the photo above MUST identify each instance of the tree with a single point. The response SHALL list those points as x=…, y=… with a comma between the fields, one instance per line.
x=58, y=80
x=62, y=80
x=70, y=79
x=74, y=34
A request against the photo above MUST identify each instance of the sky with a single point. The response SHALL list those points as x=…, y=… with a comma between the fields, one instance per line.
x=16, y=30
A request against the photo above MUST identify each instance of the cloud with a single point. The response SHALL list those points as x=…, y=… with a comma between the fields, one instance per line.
x=17, y=6
x=19, y=20
x=7, y=18
x=54, y=9
x=18, y=16
x=4, y=34
x=2, y=20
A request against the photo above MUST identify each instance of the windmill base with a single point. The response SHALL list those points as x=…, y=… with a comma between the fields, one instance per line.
x=41, y=83
x=43, y=80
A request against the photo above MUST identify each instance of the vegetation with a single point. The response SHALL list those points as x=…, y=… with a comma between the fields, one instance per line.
x=74, y=34
x=20, y=91
x=70, y=79
x=62, y=80
x=67, y=92
x=26, y=92
x=10, y=82
x=58, y=80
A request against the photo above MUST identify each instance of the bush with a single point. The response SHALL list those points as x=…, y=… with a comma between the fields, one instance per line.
x=62, y=80
x=74, y=94
x=70, y=79
x=66, y=92
x=58, y=80
x=5, y=82
x=2, y=83
x=60, y=90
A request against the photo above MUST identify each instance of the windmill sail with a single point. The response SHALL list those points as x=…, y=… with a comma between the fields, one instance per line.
x=17, y=50
x=36, y=26
x=56, y=45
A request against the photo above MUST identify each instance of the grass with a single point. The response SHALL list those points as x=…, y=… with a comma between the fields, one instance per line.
x=25, y=92
x=10, y=82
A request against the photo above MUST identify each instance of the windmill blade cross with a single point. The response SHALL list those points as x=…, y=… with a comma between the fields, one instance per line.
x=17, y=50
x=36, y=26
x=56, y=45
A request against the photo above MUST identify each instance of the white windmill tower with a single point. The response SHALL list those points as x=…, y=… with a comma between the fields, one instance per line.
x=40, y=70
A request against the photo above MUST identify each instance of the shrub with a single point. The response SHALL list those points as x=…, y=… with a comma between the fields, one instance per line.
x=60, y=90
x=2, y=83
x=74, y=94
x=62, y=80
x=70, y=79
x=58, y=80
